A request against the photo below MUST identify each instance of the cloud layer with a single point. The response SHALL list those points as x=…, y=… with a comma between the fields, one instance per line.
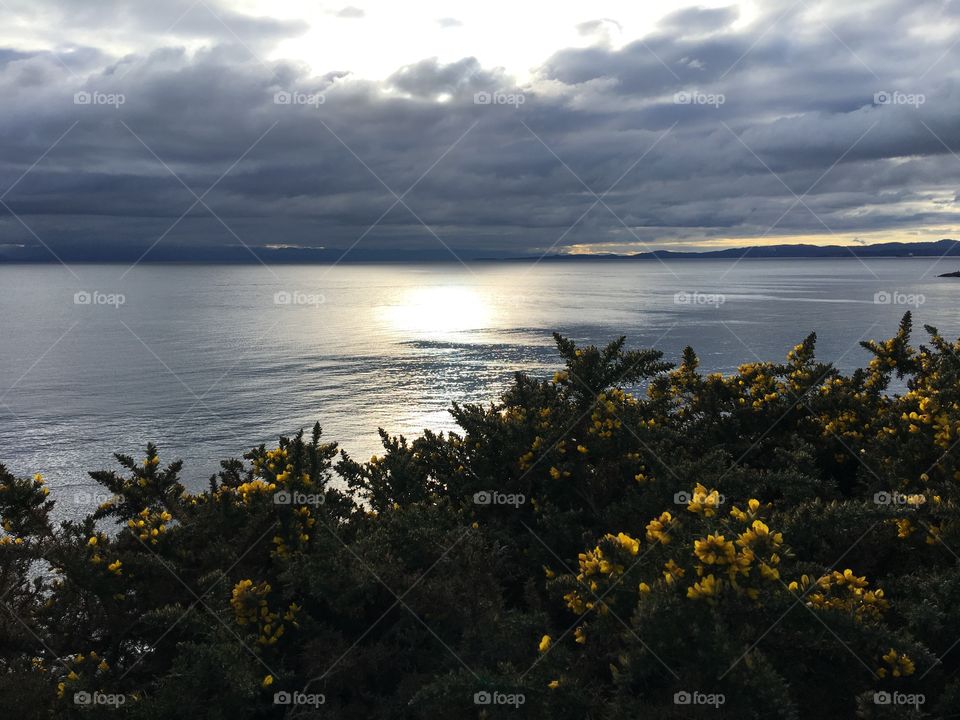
x=808, y=120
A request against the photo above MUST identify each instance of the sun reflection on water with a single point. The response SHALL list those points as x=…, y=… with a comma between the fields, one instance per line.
x=439, y=310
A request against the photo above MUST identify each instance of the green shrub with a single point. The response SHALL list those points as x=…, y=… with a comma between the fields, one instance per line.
x=625, y=539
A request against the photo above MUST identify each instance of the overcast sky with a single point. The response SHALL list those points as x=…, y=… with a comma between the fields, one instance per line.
x=474, y=129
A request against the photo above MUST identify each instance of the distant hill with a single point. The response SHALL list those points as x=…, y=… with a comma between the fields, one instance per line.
x=936, y=248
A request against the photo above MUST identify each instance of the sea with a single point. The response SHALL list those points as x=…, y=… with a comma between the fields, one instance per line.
x=208, y=361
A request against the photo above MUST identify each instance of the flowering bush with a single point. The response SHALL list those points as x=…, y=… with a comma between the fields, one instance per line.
x=627, y=538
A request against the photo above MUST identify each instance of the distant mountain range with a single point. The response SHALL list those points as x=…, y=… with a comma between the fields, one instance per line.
x=237, y=254
x=937, y=248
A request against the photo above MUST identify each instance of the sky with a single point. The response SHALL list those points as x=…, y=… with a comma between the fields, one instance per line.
x=206, y=129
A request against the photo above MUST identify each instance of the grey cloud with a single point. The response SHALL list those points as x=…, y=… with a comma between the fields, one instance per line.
x=697, y=20
x=351, y=12
x=214, y=20
x=429, y=78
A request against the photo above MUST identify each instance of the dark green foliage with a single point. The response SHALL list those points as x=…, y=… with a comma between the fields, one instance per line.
x=780, y=542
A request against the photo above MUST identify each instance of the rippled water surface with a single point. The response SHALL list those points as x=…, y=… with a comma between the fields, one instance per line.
x=205, y=361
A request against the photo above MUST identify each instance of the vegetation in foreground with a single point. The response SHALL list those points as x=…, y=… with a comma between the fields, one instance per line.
x=778, y=543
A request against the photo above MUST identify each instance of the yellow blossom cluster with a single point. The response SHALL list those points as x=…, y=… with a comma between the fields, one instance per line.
x=605, y=417
x=78, y=665
x=843, y=591
x=251, y=607
x=896, y=664
x=150, y=525
x=704, y=502
x=596, y=564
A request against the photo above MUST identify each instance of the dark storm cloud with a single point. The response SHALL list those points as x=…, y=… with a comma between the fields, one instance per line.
x=732, y=124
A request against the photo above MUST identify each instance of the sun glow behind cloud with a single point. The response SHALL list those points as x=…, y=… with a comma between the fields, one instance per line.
x=377, y=37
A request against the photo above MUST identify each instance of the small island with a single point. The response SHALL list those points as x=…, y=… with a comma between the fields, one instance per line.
x=951, y=274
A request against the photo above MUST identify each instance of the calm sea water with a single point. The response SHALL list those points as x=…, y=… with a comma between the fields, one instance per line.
x=208, y=361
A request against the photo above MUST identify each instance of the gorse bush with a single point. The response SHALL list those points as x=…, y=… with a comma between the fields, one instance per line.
x=776, y=543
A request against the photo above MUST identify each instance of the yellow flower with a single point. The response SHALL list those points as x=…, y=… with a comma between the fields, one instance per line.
x=628, y=543
x=898, y=665
x=715, y=550
x=644, y=588
x=545, y=643
x=707, y=588
x=770, y=573
x=553, y=684
x=267, y=681
x=759, y=534
x=704, y=502
x=579, y=636
x=672, y=571
x=658, y=529
x=904, y=528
